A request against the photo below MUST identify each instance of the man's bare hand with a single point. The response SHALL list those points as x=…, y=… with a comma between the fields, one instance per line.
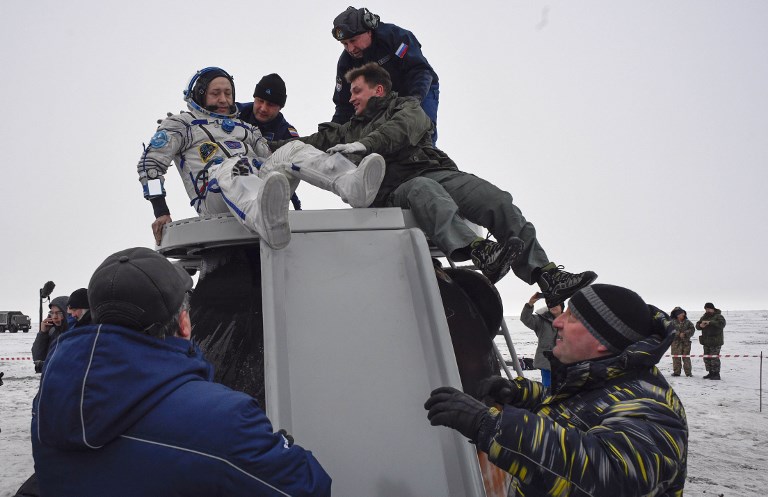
x=157, y=227
x=536, y=296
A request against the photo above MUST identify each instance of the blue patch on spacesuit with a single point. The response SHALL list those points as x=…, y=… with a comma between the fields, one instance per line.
x=159, y=140
x=234, y=145
x=207, y=150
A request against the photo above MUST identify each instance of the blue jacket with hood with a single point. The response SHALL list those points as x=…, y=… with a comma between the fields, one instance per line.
x=120, y=413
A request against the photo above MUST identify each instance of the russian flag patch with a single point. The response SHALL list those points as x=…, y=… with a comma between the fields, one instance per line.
x=293, y=132
x=401, y=50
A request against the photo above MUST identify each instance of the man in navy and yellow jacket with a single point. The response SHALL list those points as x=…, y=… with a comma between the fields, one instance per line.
x=612, y=425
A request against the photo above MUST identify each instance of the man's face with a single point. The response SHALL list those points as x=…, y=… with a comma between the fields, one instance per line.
x=218, y=96
x=354, y=46
x=681, y=317
x=573, y=342
x=57, y=315
x=362, y=92
x=264, y=111
x=557, y=310
x=709, y=311
x=75, y=313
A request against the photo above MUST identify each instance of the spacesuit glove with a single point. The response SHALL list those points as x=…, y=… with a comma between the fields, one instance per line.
x=498, y=390
x=458, y=410
x=347, y=148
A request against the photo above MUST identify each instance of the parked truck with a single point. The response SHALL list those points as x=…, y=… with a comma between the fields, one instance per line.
x=14, y=321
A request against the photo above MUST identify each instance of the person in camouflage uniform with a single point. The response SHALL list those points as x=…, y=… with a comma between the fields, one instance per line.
x=611, y=425
x=711, y=325
x=681, y=345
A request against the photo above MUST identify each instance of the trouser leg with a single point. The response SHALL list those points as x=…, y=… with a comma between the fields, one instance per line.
x=259, y=203
x=429, y=104
x=356, y=185
x=686, y=350
x=676, y=362
x=713, y=364
x=435, y=212
x=485, y=204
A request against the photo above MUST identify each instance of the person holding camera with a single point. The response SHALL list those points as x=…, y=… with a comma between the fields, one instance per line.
x=50, y=329
x=541, y=324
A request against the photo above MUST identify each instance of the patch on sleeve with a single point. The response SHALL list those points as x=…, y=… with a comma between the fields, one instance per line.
x=401, y=50
x=159, y=140
x=338, y=84
x=207, y=150
x=233, y=144
x=293, y=132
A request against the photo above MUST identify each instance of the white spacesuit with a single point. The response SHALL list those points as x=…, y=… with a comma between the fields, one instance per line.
x=226, y=165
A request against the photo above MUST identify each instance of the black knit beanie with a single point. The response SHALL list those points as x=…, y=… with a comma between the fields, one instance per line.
x=616, y=316
x=709, y=305
x=272, y=89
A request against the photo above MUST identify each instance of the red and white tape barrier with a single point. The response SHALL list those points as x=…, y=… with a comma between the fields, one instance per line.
x=710, y=356
x=28, y=358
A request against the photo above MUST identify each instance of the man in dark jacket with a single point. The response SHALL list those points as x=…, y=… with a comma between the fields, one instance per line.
x=711, y=324
x=365, y=39
x=77, y=307
x=268, y=100
x=50, y=329
x=681, y=345
x=127, y=407
x=425, y=180
x=611, y=421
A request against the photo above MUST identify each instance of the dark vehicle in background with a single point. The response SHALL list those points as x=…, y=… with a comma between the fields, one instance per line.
x=14, y=321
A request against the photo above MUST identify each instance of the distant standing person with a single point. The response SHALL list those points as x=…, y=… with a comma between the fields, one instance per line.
x=365, y=39
x=268, y=100
x=541, y=324
x=711, y=325
x=50, y=329
x=681, y=345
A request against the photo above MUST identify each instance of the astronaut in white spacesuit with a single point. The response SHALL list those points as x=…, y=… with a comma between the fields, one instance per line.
x=226, y=165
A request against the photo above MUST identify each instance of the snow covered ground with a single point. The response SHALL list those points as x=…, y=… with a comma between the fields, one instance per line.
x=728, y=445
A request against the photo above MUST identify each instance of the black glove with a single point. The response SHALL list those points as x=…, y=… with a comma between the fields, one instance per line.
x=455, y=409
x=286, y=436
x=1, y=378
x=497, y=389
x=38, y=366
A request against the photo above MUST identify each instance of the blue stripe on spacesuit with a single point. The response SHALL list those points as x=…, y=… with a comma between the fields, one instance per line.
x=213, y=186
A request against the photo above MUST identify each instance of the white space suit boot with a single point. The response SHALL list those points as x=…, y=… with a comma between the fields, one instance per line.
x=356, y=185
x=358, y=188
x=260, y=204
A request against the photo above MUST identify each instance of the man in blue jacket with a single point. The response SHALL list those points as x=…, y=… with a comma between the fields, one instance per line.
x=268, y=100
x=127, y=407
x=365, y=39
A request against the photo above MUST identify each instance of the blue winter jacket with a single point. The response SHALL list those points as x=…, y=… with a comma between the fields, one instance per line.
x=120, y=413
x=399, y=52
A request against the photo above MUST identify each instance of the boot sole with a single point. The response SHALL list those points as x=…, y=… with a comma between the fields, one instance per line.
x=513, y=249
x=273, y=210
x=374, y=169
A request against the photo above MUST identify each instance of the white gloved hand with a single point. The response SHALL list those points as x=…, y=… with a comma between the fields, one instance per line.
x=347, y=148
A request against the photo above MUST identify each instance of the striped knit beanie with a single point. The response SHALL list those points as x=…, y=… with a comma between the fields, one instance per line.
x=616, y=316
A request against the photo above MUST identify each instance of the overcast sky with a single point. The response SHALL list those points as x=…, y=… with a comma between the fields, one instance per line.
x=632, y=134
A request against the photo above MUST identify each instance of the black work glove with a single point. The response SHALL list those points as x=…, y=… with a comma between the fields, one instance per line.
x=1, y=378
x=455, y=409
x=38, y=366
x=289, y=439
x=497, y=389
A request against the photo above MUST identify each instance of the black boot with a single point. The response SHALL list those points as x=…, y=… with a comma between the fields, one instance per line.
x=558, y=285
x=714, y=376
x=495, y=259
x=707, y=376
